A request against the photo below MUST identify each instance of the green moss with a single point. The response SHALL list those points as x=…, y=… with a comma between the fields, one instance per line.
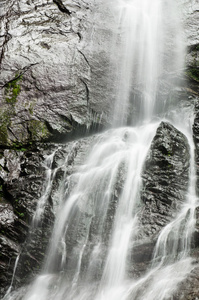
x=38, y=130
x=197, y=47
x=13, y=89
x=3, y=134
x=21, y=215
x=18, y=146
x=5, y=122
x=31, y=109
x=193, y=74
x=169, y=153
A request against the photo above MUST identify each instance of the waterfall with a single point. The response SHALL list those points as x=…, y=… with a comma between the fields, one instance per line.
x=50, y=174
x=150, y=57
x=97, y=219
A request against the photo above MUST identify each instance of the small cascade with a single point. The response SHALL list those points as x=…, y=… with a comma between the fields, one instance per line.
x=50, y=174
x=13, y=276
x=125, y=221
x=94, y=208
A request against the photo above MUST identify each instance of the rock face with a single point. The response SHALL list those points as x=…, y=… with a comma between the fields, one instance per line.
x=24, y=180
x=21, y=186
x=165, y=182
x=165, y=178
x=192, y=57
x=46, y=87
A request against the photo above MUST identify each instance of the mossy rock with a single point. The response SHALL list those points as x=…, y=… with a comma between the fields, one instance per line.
x=37, y=130
x=12, y=90
x=32, y=131
x=193, y=73
x=5, y=121
x=3, y=134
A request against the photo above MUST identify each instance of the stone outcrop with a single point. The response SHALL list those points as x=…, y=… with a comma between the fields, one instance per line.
x=192, y=57
x=165, y=178
x=21, y=178
x=165, y=182
x=52, y=78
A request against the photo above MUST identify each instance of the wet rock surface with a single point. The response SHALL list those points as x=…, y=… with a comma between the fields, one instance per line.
x=93, y=228
x=192, y=56
x=52, y=80
x=189, y=288
x=165, y=181
x=23, y=177
x=165, y=178
x=196, y=141
x=21, y=185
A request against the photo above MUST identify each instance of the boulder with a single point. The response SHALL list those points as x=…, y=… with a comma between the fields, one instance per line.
x=165, y=178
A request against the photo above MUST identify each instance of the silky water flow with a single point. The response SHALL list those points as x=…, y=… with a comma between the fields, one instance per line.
x=96, y=222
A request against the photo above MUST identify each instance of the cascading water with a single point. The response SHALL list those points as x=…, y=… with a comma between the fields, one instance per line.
x=151, y=55
x=97, y=221
x=50, y=174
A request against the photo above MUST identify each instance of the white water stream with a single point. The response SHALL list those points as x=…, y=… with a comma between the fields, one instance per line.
x=97, y=222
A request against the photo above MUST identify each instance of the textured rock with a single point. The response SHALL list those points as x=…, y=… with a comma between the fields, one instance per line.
x=196, y=140
x=165, y=182
x=191, y=17
x=165, y=178
x=48, y=85
x=23, y=182
x=192, y=40
x=189, y=289
x=13, y=230
x=17, y=204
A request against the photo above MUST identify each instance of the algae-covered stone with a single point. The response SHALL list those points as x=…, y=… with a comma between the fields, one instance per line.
x=37, y=130
x=12, y=89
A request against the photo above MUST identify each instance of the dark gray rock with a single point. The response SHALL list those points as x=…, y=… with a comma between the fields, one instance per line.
x=20, y=190
x=22, y=183
x=165, y=178
x=13, y=231
x=165, y=181
x=189, y=288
